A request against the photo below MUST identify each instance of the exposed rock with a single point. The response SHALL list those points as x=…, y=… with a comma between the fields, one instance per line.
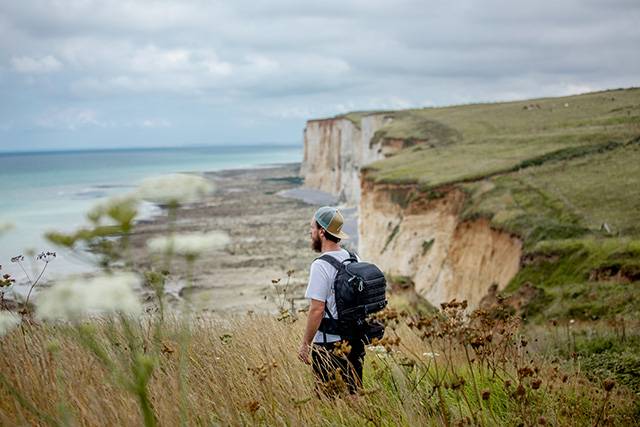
x=336, y=149
x=460, y=259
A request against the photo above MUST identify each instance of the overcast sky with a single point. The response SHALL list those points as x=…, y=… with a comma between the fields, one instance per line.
x=109, y=73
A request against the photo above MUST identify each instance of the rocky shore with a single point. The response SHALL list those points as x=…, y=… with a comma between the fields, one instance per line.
x=266, y=214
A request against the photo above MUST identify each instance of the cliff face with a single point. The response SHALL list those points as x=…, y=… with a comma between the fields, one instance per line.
x=334, y=152
x=425, y=240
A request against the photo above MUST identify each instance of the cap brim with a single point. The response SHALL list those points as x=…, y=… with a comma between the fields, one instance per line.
x=340, y=235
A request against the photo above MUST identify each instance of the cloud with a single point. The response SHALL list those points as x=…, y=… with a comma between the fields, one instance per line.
x=191, y=62
x=155, y=123
x=34, y=65
x=69, y=119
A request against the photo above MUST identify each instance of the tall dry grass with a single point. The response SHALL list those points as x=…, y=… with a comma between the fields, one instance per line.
x=446, y=369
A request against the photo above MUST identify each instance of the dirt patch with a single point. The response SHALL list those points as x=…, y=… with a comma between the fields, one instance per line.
x=519, y=300
x=619, y=273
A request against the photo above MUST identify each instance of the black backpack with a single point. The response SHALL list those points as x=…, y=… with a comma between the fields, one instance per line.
x=360, y=289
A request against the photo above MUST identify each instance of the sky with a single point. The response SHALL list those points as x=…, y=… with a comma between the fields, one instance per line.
x=86, y=74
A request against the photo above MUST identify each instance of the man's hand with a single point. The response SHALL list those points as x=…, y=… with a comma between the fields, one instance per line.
x=303, y=353
x=316, y=311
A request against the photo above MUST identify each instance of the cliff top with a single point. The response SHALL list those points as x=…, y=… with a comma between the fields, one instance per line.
x=547, y=168
x=473, y=141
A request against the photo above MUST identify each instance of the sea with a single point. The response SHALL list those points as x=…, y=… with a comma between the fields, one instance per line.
x=43, y=191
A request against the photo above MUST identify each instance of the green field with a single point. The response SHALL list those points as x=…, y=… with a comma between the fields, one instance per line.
x=473, y=141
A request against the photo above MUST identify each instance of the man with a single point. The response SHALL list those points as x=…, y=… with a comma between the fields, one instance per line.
x=330, y=353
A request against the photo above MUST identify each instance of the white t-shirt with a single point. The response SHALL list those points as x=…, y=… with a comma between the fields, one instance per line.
x=320, y=287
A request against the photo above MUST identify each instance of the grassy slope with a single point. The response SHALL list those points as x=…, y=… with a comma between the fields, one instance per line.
x=552, y=171
x=473, y=141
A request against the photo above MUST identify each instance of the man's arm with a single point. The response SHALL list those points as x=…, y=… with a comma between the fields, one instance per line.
x=314, y=318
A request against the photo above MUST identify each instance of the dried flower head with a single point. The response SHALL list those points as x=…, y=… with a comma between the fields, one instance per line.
x=174, y=189
x=520, y=391
x=8, y=321
x=77, y=298
x=4, y=227
x=253, y=406
x=6, y=280
x=608, y=384
x=341, y=348
x=189, y=244
x=46, y=256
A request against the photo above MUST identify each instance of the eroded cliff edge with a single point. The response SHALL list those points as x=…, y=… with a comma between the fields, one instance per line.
x=415, y=235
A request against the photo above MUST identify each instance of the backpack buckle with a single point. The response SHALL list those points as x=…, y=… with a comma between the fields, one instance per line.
x=360, y=286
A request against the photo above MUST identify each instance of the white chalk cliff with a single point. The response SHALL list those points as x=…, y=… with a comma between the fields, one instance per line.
x=417, y=237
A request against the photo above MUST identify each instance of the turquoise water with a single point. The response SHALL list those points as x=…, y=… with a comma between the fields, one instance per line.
x=53, y=190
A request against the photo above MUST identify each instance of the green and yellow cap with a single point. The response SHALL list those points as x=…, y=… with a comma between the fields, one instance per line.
x=331, y=220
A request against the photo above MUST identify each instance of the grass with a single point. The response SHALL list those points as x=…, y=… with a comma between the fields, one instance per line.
x=566, y=198
x=585, y=279
x=474, y=141
x=431, y=369
x=355, y=117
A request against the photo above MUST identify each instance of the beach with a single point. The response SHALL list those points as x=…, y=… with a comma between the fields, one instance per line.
x=263, y=207
x=266, y=213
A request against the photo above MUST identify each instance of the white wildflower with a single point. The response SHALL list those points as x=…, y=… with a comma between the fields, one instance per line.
x=174, y=188
x=77, y=298
x=431, y=355
x=189, y=244
x=8, y=321
x=378, y=349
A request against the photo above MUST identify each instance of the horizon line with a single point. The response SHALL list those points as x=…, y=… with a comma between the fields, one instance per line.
x=144, y=148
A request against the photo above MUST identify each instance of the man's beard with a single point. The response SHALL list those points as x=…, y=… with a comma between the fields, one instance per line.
x=316, y=245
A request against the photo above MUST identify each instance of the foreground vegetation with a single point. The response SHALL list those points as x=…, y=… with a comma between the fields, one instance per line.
x=439, y=369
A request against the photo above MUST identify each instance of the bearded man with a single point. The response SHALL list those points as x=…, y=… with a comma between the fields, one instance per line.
x=335, y=359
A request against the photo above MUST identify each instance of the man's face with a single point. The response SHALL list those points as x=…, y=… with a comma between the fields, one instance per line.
x=316, y=239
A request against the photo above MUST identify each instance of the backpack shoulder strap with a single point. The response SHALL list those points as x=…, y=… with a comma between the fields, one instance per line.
x=331, y=260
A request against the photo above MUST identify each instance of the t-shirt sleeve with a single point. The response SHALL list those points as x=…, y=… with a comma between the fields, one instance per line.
x=319, y=286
